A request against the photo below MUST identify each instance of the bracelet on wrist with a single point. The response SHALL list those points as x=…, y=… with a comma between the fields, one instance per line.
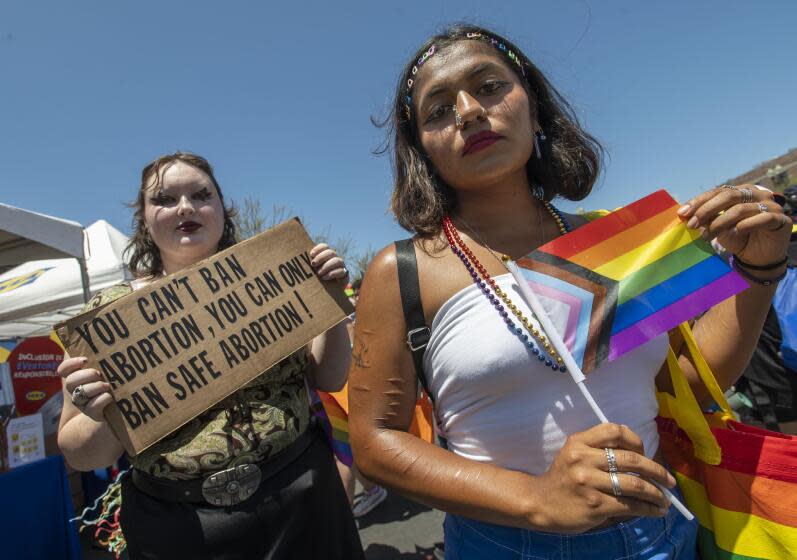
x=752, y=278
x=770, y=266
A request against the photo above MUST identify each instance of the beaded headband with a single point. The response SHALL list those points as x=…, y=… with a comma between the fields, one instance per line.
x=420, y=63
x=429, y=53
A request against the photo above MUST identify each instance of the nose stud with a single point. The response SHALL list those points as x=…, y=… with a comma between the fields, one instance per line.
x=457, y=118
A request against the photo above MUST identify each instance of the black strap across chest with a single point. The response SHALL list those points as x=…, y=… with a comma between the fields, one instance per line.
x=418, y=332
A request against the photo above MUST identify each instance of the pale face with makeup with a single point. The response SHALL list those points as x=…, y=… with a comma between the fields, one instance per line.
x=489, y=98
x=184, y=215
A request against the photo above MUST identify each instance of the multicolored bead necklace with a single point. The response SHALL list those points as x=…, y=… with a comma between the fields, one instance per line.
x=496, y=295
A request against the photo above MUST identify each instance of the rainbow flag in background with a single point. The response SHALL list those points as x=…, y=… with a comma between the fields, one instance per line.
x=335, y=423
x=628, y=277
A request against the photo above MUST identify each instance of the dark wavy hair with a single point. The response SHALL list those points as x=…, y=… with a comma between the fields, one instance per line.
x=145, y=257
x=571, y=158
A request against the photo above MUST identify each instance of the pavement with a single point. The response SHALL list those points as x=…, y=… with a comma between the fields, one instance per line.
x=400, y=528
x=396, y=529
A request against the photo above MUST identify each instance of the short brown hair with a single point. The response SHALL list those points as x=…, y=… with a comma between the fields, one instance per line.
x=145, y=257
x=571, y=157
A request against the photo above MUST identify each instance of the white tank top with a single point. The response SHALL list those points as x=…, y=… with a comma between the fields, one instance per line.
x=496, y=402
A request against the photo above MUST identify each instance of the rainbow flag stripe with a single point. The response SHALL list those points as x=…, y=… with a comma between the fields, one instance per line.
x=339, y=422
x=747, y=504
x=335, y=423
x=627, y=277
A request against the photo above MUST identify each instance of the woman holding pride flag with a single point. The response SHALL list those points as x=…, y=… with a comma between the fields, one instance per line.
x=482, y=144
x=298, y=508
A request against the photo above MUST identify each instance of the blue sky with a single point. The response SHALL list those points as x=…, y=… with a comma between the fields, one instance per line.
x=683, y=95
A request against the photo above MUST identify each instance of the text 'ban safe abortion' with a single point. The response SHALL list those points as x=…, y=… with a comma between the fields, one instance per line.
x=180, y=345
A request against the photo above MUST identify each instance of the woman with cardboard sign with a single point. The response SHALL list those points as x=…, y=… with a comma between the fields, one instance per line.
x=251, y=477
x=482, y=143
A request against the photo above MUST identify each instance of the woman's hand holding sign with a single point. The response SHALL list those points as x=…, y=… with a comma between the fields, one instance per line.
x=90, y=442
x=89, y=393
x=327, y=264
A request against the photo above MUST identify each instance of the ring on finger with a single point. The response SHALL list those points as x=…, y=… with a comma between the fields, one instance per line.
x=616, y=490
x=747, y=195
x=763, y=207
x=611, y=459
x=730, y=187
x=79, y=397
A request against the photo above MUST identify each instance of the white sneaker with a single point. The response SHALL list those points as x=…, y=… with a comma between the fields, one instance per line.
x=368, y=500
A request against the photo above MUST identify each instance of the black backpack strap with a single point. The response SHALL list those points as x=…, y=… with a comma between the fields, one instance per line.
x=764, y=405
x=418, y=332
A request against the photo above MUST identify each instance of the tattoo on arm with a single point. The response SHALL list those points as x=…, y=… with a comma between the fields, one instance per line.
x=360, y=353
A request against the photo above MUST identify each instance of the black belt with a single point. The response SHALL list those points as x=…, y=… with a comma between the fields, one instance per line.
x=226, y=487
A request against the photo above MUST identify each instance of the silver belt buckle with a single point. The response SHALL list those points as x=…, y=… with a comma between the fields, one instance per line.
x=231, y=486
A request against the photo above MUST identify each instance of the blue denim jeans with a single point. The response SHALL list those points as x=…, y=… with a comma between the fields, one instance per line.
x=641, y=538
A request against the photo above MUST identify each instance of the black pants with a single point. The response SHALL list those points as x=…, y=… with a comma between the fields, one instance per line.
x=301, y=512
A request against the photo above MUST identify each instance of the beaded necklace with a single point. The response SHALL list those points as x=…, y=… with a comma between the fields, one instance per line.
x=496, y=295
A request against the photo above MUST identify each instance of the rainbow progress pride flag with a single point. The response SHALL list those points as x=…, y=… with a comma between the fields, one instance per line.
x=628, y=277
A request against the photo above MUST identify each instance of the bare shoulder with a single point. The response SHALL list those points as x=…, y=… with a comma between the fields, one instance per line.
x=381, y=275
x=383, y=262
x=379, y=294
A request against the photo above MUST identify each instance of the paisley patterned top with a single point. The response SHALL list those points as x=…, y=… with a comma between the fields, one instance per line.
x=249, y=426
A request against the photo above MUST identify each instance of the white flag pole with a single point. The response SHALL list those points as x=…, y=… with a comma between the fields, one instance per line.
x=572, y=367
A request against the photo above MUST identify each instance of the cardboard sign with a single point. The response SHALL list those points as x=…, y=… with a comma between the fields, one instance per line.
x=180, y=345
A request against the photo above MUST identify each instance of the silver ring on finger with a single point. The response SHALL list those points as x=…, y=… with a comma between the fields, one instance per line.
x=763, y=207
x=747, y=195
x=616, y=490
x=345, y=271
x=730, y=187
x=79, y=397
x=611, y=459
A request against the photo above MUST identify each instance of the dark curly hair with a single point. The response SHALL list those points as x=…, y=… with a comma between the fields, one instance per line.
x=571, y=158
x=145, y=257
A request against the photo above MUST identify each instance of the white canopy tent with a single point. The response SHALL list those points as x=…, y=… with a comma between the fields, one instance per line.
x=27, y=236
x=39, y=293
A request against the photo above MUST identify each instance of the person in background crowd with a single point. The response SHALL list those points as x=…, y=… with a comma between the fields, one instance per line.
x=482, y=143
x=298, y=508
x=766, y=394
